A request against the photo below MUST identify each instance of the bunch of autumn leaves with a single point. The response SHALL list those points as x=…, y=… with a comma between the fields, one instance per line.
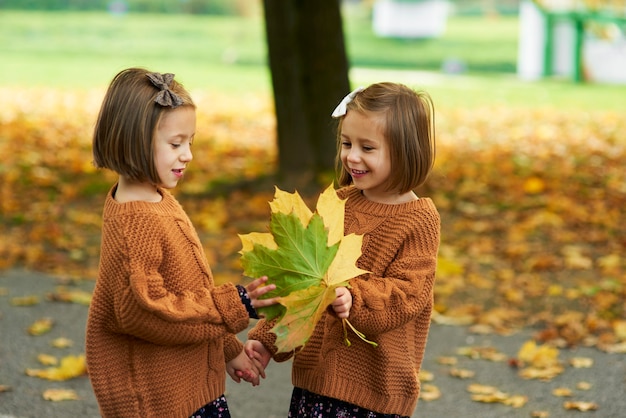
x=306, y=256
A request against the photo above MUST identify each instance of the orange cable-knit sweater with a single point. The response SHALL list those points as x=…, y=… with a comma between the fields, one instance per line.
x=392, y=306
x=159, y=332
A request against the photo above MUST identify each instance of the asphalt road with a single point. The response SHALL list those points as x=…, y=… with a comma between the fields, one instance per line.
x=19, y=351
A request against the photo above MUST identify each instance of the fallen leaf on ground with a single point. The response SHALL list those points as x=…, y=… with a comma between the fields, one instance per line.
x=462, y=373
x=58, y=395
x=564, y=392
x=64, y=294
x=580, y=406
x=581, y=362
x=430, y=393
x=481, y=389
x=542, y=356
x=47, y=360
x=516, y=401
x=61, y=342
x=447, y=360
x=426, y=376
x=70, y=367
x=25, y=300
x=491, y=394
x=40, y=326
x=485, y=353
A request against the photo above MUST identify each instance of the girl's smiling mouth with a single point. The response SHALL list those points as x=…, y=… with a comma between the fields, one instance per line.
x=358, y=173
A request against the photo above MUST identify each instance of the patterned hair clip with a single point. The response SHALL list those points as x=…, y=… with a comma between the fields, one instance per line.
x=165, y=97
x=342, y=108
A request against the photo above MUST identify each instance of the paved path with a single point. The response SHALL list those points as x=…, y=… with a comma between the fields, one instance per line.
x=18, y=351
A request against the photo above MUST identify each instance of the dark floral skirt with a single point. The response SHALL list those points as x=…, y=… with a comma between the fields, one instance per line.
x=216, y=409
x=305, y=404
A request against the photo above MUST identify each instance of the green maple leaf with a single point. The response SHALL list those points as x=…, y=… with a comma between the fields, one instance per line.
x=307, y=257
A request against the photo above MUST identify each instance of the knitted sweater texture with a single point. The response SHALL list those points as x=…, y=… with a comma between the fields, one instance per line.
x=159, y=332
x=391, y=305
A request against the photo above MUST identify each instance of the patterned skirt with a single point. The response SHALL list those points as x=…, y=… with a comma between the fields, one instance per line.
x=216, y=409
x=305, y=404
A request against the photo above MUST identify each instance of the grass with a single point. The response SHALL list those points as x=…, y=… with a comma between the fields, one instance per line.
x=68, y=49
x=76, y=50
x=482, y=44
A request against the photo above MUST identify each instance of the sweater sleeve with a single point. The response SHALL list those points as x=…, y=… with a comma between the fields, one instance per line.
x=262, y=332
x=232, y=347
x=399, y=294
x=176, y=304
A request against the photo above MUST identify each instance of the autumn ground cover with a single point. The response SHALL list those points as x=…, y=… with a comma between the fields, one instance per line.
x=533, y=226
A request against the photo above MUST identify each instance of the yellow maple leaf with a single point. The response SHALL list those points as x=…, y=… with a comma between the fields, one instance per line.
x=287, y=203
x=306, y=256
x=332, y=210
x=70, y=367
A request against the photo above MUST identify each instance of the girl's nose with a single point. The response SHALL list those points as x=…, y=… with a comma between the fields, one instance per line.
x=187, y=155
x=353, y=155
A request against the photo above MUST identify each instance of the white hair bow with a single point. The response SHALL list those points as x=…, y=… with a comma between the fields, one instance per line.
x=341, y=109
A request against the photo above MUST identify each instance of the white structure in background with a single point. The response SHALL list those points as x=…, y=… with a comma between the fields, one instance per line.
x=410, y=18
x=605, y=60
x=599, y=60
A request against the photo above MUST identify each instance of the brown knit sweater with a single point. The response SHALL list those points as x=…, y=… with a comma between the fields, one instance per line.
x=159, y=332
x=391, y=306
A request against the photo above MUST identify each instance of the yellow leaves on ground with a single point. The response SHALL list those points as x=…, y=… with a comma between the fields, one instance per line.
x=531, y=202
x=430, y=393
x=64, y=294
x=580, y=406
x=58, y=395
x=70, y=366
x=482, y=352
x=541, y=362
x=61, y=342
x=41, y=326
x=491, y=394
x=537, y=361
x=47, y=360
x=462, y=373
x=25, y=300
x=581, y=362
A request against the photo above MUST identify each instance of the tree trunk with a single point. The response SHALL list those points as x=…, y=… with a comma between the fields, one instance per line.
x=309, y=68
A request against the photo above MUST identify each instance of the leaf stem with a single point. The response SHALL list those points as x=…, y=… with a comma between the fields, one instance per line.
x=357, y=332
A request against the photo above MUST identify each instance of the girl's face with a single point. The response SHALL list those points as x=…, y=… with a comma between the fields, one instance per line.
x=172, y=144
x=365, y=153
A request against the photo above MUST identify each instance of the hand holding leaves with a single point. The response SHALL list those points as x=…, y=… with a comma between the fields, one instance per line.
x=307, y=257
x=256, y=290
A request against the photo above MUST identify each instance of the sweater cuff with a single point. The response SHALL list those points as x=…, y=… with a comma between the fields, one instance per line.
x=232, y=347
x=228, y=303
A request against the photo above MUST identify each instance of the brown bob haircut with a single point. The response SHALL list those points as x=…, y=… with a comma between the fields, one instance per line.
x=407, y=125
x=128, y=119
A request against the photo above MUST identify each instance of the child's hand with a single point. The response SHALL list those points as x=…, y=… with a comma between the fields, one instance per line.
x=342, y=304
x=257, y=352
x=241, y=367
x=255, y=290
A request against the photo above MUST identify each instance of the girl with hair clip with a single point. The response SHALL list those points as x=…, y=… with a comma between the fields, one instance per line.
x=386, y=149
x=160, y=334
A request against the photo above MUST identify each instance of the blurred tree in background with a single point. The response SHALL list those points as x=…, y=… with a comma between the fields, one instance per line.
x=309, y=68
